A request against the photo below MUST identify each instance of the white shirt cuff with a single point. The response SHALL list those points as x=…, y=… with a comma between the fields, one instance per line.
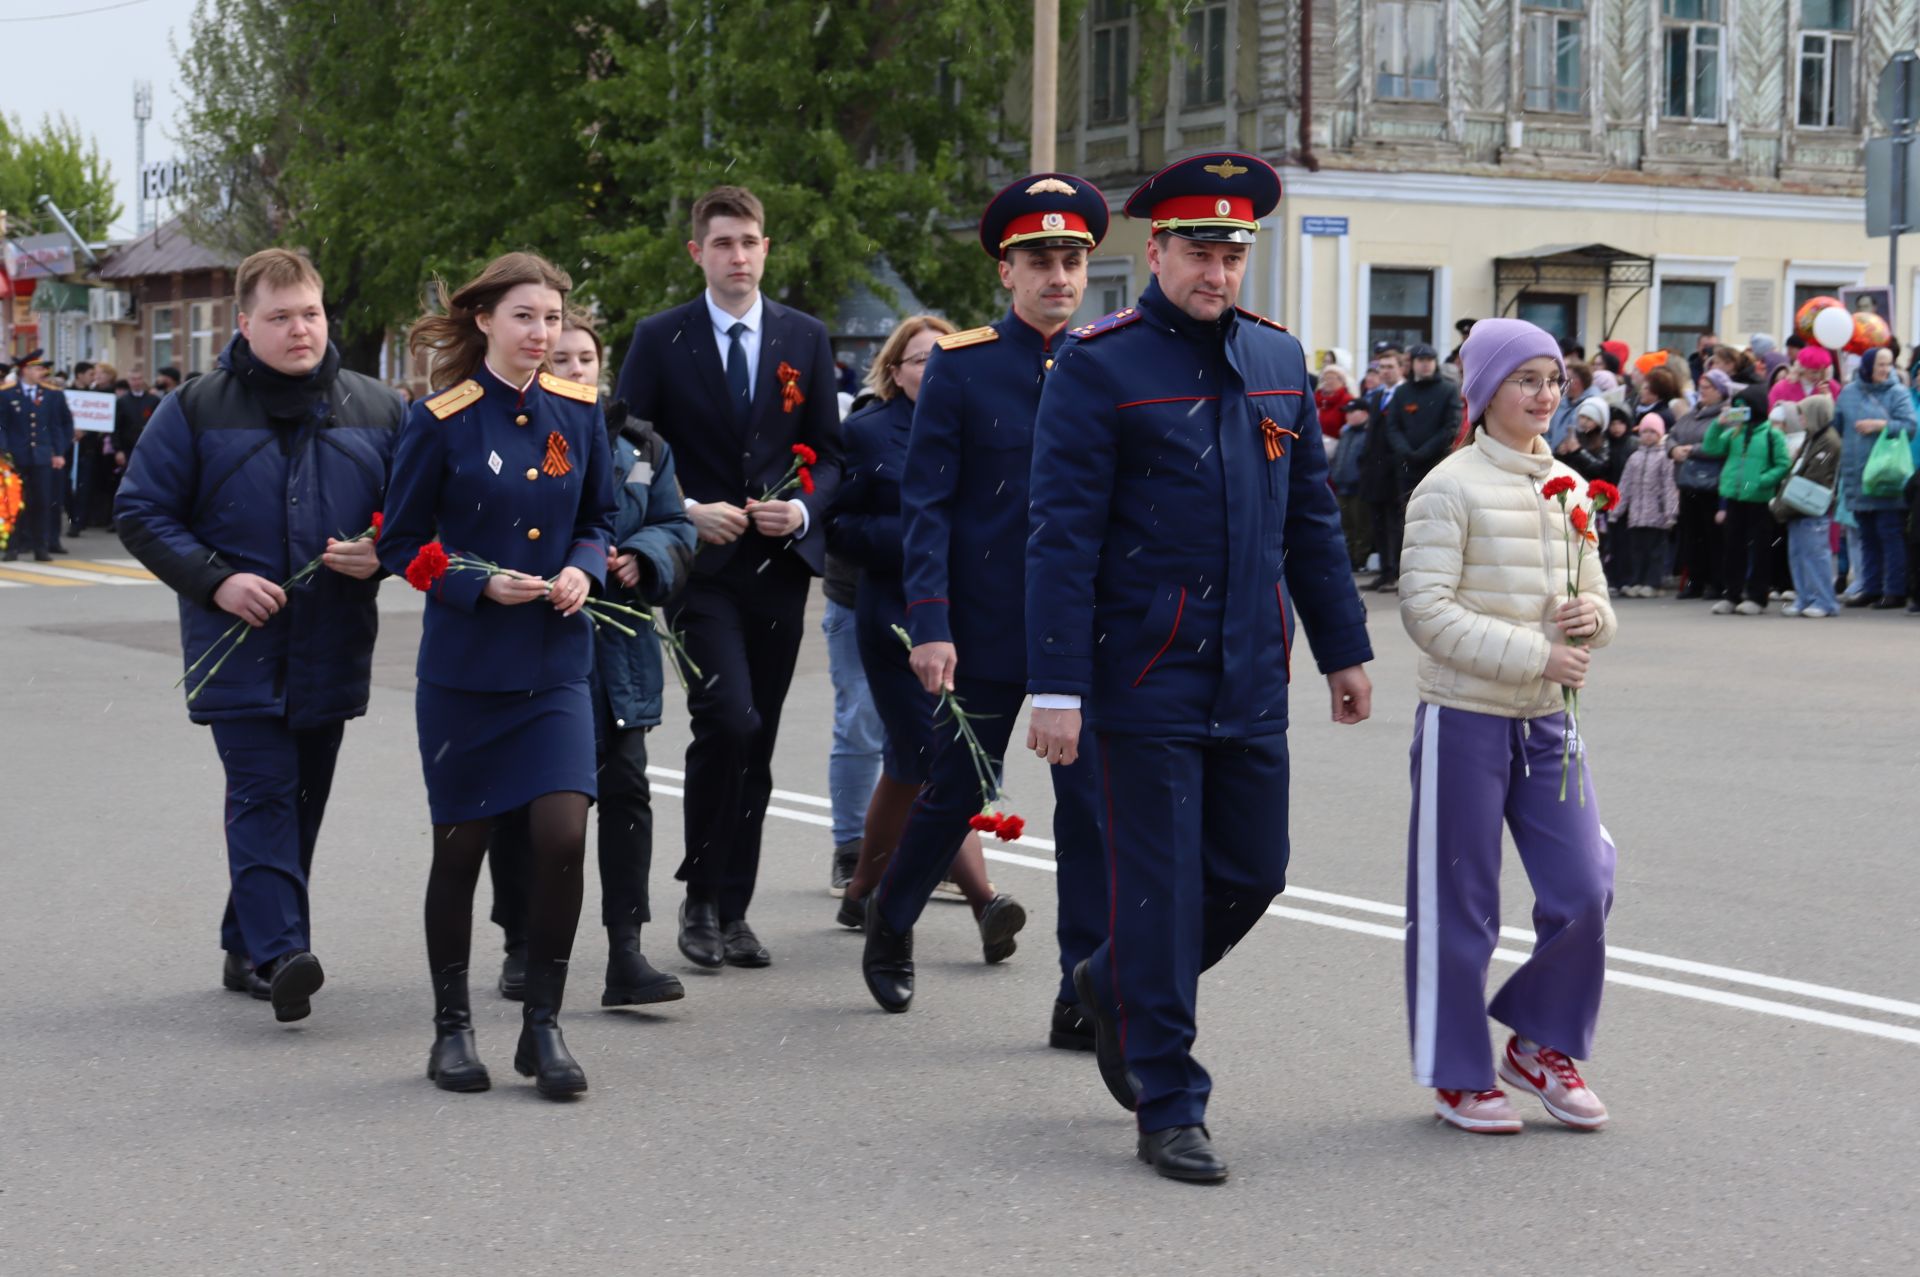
x=691, y=503
x=1055, y=700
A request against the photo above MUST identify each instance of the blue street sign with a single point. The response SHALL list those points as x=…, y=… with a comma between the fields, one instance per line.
x=1323, y=226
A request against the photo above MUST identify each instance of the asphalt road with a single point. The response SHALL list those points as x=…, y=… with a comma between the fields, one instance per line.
x=1758, y=1048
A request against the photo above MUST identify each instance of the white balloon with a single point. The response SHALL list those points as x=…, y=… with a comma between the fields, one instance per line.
x=1833, y=327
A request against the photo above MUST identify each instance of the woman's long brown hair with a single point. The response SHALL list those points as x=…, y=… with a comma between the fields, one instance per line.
x=452, y=341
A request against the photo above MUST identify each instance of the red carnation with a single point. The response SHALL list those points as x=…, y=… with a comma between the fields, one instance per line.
x=983, y=823
x=1605, y=496
x=808, y=456
x=1558, y=486
x=378, y=520
x=806, y=479
x=1011, y=827
x=1578, y=518
x=428, y=566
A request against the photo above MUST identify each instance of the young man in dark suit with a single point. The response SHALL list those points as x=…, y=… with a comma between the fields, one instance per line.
x=735, y=383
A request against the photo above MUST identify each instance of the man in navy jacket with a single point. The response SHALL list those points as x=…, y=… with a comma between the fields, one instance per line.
x=1180, y=507
x=36, y=428
x=243, y=477
x=733, y=382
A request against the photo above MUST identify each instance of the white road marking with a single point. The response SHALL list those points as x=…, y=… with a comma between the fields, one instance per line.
x=81, y=574
x=1730, y=975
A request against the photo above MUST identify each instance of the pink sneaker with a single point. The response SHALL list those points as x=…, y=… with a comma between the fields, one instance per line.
x=1550, y=1075
x=1482, y=1112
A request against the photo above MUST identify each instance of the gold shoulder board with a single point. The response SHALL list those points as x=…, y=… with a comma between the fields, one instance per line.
x=970, y=337
x=450, y=401
x=1260, y=319
x=569, y=389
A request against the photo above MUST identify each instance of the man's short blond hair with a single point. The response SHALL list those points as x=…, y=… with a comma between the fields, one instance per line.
x=274, y=268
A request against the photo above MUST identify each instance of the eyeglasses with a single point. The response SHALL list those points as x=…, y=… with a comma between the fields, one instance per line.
x=1533, y=387
x=915, y=361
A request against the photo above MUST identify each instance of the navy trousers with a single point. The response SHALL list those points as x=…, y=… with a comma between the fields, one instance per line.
x=277, y=785
x=1197, y=850
x=938, y=825
x=38, y=528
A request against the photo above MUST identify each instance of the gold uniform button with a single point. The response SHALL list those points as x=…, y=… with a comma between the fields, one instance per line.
x=533, y=534
x=532, y=473
x=520, y=420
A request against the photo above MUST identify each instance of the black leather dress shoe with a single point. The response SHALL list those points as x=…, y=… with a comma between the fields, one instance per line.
x=742, y=947
x=632, y=981
x=1183, y=1153
x=700, y=934
x=1072, y=1030
x=887, y=964
x=1000, y=922
x=853, y=913
x=59, y=549
x=513, y=974
x=1106, y=1040
x=1889, y=603
x=296, y=978
x=238, y=976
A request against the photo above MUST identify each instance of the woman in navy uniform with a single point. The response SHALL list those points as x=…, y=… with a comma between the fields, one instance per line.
x=865, y=528
x=1180, y=510
x=506, y=464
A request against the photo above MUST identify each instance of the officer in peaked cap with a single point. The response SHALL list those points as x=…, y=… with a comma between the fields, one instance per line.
x=964, y=497
x=36, y=428
x=1180, y=514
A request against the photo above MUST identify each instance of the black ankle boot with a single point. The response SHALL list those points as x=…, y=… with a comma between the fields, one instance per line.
x=454, y=1063
x=632, y=981
x=887, y=963
x=542, y=1054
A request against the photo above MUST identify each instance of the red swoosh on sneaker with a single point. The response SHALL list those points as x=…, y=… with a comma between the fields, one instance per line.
x=1538, y=1083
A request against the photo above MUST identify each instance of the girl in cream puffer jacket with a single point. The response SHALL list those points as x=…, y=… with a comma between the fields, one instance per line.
x=1483, y=592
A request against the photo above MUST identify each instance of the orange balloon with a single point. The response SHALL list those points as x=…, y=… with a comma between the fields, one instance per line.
x=1803, y=318
x=1870, y=332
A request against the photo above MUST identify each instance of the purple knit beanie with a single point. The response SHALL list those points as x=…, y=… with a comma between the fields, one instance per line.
x=1493, y=350
x=1719, y=381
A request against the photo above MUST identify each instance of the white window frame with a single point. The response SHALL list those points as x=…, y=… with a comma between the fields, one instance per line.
x=210, y=332
x=1533, y=15
x=1229, y=55
x=1718, y=271
x=1693, y=28
x=1804, y=35
x=155, y=335
x=1840, y=274
x=1131, y=25
x=1373, y=72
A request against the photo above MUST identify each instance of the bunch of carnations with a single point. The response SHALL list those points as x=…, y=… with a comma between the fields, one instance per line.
x=1579, y=535
x=797, y=476
x=1003, y=825
x=431, y=562
x=236, y=634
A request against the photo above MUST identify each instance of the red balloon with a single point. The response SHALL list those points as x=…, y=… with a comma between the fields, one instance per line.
x=1870, y=332
x=1803, y=318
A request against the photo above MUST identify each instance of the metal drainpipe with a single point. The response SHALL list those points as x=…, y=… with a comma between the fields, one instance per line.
x=1308, y=160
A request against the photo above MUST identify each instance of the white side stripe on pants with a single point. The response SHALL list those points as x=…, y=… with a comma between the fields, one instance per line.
x=1426, y=998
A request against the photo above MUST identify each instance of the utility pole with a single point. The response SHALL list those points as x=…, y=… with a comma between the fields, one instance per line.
x=1046, y=83
x=142, y=112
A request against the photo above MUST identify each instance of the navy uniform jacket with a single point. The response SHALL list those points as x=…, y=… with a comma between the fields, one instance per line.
x=673, y=377
x=470, y=471
x=965, y=497
x=1165, y=545
x=864, y=527
x=35, y=433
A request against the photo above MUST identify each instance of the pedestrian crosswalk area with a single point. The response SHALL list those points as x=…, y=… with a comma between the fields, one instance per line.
x=73, y=573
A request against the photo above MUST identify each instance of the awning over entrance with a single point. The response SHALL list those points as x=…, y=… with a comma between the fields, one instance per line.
x=1620, y=276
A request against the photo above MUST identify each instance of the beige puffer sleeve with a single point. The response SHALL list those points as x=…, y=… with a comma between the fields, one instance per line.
x=1432, y=561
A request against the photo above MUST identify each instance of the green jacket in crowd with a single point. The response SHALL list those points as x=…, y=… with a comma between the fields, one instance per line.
x=1756, y=456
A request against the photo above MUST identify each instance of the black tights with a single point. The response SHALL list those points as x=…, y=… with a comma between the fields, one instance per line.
x=558, y=833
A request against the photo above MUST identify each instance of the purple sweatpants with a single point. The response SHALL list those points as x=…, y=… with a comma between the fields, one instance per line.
x=1470, y=772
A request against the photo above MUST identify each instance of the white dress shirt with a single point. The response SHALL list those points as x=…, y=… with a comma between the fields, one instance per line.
x=750, y=344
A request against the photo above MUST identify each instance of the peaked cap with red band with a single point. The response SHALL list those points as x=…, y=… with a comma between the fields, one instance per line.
x=1044, y=210
x=1219, y=197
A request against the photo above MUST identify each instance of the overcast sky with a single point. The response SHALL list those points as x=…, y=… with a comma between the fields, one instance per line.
x=81, y=57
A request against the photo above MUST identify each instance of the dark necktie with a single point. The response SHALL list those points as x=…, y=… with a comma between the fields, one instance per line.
x=739, y=387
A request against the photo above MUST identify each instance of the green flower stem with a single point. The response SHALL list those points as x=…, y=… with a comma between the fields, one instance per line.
x=234, y=647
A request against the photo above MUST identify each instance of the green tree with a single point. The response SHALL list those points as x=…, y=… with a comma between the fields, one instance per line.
x=60, y=161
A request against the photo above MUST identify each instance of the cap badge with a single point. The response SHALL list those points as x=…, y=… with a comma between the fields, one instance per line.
x=1053, y=222
x=1222, y=207
x=1051, y=186
x=1226, y=169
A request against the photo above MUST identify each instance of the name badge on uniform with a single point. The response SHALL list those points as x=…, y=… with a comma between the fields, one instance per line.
x=493, y=462
x=642, y=472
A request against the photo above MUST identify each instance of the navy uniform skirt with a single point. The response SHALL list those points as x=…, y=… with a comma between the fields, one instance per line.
x=489, y=753
x=906, y=709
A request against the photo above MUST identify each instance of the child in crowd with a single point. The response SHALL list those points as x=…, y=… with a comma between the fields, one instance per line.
x=1650, y=504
